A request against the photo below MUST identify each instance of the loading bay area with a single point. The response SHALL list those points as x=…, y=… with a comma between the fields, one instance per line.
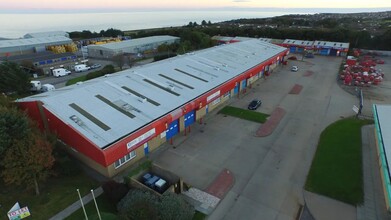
x=269, y=172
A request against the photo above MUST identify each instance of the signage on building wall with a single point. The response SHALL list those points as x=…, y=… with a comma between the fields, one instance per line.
x=214, y=95
x=141, y=138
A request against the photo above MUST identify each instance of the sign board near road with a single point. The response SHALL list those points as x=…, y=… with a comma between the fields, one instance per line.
x=19, y=214
x=355, y=109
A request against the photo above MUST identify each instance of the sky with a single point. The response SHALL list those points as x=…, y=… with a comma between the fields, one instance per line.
x=13, y=5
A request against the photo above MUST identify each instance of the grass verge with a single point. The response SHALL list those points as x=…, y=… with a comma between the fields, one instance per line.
x=107, y=210
x=244, y=114
x=76, y=80
x=336, y=169
x=56, y=194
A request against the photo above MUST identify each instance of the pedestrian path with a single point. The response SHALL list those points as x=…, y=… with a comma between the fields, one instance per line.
x=374, y=207
x=268, y=127
x=76, y=205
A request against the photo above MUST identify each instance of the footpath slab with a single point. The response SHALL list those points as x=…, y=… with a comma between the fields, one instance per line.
x=268, y=127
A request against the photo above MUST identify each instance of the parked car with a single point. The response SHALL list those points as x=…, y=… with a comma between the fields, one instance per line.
x=254, y=104
x=294, y=69
x=96, y=65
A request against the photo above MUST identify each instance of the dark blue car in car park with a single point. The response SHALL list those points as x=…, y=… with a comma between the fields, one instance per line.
x=254, y=104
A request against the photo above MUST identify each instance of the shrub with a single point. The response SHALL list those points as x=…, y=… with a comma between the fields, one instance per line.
x=114, y=191
x=173, y=207
x=163, y=56
x=138, y=205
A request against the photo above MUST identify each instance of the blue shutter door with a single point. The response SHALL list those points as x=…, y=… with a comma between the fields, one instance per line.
x=172, y=129
x=189, y=118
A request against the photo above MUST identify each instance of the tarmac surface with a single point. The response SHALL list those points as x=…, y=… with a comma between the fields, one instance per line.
x=269, y=172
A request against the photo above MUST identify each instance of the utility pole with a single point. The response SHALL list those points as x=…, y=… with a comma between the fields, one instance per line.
x=82, y=205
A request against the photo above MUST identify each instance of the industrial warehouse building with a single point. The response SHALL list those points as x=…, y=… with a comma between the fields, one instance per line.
x=326, y=48
x=111, y=122
x=31, y=45
x=47, y=34
x=135, y=46
x=383, y=141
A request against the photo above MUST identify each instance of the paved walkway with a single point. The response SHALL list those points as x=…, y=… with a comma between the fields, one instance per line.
x=374, y=207
x=76, y=205
x=324, y=208
x=268, y=127
x=222, y=184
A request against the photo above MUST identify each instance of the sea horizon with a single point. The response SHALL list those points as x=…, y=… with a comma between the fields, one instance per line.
x=18, y=24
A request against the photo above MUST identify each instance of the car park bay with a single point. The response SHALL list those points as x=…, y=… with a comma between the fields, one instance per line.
x=269, y=172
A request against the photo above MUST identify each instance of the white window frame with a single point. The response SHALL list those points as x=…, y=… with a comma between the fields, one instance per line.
x=128, y=157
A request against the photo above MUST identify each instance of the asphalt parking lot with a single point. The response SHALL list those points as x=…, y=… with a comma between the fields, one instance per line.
x=269, y=172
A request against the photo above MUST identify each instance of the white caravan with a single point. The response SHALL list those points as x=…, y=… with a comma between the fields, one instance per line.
x=81, y=68
x=61, y=72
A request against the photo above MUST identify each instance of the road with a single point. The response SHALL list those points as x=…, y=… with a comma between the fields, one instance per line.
x=269, y=172
x=60, y=82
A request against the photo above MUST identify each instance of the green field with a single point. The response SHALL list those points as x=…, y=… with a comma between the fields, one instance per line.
x=244, y=114
x=336, y=169
x=56, y=194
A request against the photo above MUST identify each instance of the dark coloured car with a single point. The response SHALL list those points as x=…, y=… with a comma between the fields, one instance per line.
x=254, y=104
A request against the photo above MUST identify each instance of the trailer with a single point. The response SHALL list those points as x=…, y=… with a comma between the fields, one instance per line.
x=81, y=68
x=60, y=72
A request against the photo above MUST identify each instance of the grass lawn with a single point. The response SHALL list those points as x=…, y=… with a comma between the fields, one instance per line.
x=244, y=114
x=75, y=80
x=107, y=210
x=56, y=194
x=336, y=169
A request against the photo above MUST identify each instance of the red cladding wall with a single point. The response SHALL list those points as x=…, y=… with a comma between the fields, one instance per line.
x=74, y=139
x=32, y=110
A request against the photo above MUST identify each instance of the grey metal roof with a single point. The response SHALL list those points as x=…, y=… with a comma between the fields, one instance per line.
x=305, y=43
x=134, y=42
x=46, y=34
x=34, y=41
x=108, y=108
x=331, y=44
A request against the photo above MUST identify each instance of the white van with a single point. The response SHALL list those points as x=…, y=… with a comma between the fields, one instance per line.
x=35, y=86
x=81, y=68
x=61, y=72
x=47, y=88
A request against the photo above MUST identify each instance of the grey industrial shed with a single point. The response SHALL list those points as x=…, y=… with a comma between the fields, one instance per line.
x=30, y=45
x=133, y=46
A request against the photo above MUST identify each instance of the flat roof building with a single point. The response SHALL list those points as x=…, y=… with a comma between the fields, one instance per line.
x=109, y=121
x=383, y=145
x=133, y=46
x=30, y=45
x=47, y=34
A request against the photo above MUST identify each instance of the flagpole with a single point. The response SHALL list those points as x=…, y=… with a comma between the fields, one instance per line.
x=96, y=205
x=82, y=205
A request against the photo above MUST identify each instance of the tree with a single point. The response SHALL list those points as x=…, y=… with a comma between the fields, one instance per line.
x=115, y=191
x=28, y=161
x=173, y=207
x=119, y=60
x=14, y=125
x=203, y=23
x=13, y=79
x=138, y=205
